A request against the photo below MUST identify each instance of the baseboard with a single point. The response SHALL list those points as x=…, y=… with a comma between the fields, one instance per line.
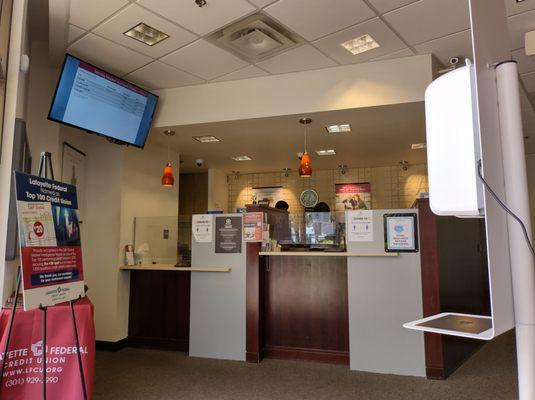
x=160, y=344
x=111, y=346
x=316, y=355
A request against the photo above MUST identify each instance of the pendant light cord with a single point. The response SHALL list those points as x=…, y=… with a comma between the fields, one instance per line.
x=168, y=151
x=305, y=138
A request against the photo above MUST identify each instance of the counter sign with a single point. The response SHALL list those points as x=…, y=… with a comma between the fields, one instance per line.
x=401, y=232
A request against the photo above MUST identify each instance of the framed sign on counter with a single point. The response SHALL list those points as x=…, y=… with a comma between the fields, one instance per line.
x=401, y=233
x=228, y=236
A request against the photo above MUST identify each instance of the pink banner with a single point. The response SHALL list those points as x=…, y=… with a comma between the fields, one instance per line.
x=23, y=372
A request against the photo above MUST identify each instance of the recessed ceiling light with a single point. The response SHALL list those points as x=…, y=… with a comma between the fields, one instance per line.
x=418, y=146
x=360, y=44
x=326, y=152
x=342, y=128
x=206, y=139
x=146, y=34
x=242, y=158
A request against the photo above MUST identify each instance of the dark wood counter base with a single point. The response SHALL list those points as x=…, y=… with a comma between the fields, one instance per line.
x=297, y=308
x=159, y=310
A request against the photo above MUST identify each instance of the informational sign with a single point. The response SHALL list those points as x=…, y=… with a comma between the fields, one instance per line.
x=351, y=196
x=268, y=195
x=253, y=226
x=49, y=236
x=360, y=226
x=202, y=228
x=401, y=232
x=228, y=235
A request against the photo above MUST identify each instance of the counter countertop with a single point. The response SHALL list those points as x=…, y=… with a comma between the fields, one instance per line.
x=325, y=254
x=171, y=267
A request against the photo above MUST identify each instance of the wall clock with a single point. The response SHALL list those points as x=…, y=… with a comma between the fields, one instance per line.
x=309, y=198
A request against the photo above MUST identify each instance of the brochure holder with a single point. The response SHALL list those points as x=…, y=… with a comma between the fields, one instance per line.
x=45, y=171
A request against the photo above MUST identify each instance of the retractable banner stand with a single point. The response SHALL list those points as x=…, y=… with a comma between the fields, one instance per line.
x=49, y=236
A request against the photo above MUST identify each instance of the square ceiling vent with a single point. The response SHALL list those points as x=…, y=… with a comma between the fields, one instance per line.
x=255, y=38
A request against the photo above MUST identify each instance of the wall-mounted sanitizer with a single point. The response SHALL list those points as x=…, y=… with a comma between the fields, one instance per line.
x=453, y=144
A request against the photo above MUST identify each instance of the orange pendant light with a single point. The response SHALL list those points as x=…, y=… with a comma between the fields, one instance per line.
x=305, y=168
x=167, y=178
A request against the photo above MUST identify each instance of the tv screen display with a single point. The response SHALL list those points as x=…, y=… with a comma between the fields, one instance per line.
x=92, y=99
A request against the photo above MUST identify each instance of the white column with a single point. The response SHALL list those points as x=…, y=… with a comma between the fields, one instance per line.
x=517, y=199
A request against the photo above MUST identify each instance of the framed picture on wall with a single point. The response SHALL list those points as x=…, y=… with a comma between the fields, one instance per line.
x=401, y=233
x=73, y=172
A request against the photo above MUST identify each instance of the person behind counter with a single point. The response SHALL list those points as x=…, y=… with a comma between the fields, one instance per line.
x=282, y=205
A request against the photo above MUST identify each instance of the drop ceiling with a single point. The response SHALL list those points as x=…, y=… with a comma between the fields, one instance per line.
x=402, y=27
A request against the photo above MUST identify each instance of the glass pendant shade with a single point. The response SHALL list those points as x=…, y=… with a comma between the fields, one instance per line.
x=305, y=168
x=168, y=179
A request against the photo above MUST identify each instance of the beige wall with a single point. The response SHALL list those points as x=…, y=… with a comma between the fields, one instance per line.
x=391, y=186
x=217, y=190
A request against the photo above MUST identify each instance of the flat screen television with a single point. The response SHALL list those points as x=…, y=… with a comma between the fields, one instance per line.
x=94, y=100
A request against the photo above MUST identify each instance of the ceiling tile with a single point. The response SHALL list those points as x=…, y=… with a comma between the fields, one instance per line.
x=318, y=18
x=426, y=20
x=262, y=3
x=529, y=81
x=250, y=71
x=389, y=5
x=406, y=52
x=74, y=33
x=132, y=16
x=513, y=7
x=204, y=59
x=376, y=28
x=87, y=14
x=107, y=55
x=518, y=26
x=158, y=75
x=302, y=58
x=525, y=63
x=458, y=44
x=201, y=20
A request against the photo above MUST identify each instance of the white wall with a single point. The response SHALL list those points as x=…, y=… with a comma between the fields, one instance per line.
x=530, y=166
x=217, y=190
x=351, y=86
x=142, y=195
x=122, y=183
x=14, y=107
x=43, y=135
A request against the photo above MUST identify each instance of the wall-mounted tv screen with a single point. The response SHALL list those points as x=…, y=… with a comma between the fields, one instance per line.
x=92, y=99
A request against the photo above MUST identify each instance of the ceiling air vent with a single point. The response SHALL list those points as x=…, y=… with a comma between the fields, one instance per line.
x=255, y=38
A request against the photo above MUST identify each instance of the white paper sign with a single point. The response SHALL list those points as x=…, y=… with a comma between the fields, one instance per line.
x=400, y=233
x=360, y=226
x=202, y=228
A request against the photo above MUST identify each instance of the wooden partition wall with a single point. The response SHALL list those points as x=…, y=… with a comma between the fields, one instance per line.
x=454, y=279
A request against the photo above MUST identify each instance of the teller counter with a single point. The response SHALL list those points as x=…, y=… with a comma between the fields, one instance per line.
x=239, y=302
x=337, y=307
